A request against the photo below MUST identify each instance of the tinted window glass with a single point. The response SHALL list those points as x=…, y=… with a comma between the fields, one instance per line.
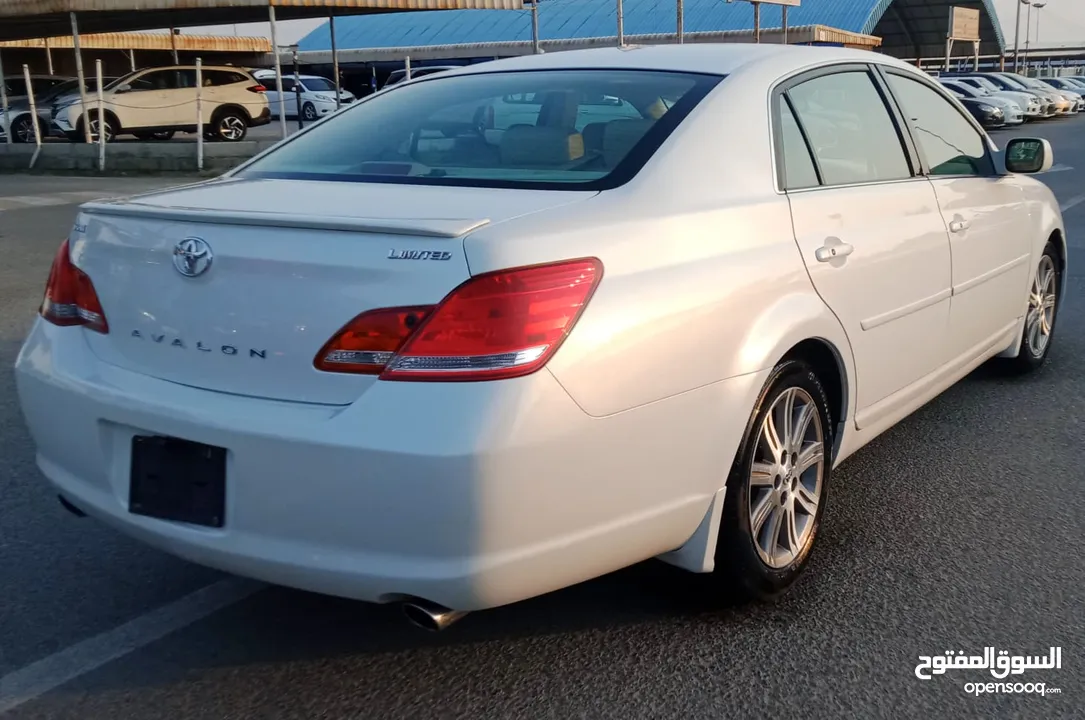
x=501, y=129
x=799, y=169
x=949, y=142
x=16, y=86
x=850, y=129
x=318, y=85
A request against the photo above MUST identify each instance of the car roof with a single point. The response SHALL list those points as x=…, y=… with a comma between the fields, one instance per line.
x=703, y=58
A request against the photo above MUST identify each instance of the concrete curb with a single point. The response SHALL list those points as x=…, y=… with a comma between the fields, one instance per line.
x=129, y=158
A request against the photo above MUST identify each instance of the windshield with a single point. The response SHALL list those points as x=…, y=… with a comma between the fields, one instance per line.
x=1013, y=83
x=318, y=84
x=590, y=129
x=120, y=81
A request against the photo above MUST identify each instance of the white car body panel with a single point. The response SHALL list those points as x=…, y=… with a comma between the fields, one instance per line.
x=478, y=494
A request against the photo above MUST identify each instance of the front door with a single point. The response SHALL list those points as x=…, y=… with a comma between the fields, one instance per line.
x=868, y=226
x=989, y=234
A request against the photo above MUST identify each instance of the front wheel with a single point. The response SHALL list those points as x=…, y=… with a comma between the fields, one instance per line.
x=777, y=488
x=308, y=112
x=1043, y=308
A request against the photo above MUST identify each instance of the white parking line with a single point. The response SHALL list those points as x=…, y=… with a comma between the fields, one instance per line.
x=1072, y=203
x=38, y=678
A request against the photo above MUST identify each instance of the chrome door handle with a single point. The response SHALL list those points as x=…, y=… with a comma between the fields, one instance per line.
x=959, y=226
x=826, y=253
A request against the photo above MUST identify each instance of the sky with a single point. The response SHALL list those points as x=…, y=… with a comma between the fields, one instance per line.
x=1060, y=22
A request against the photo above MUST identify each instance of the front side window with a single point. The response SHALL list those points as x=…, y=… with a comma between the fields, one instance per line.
x=582, y=129
x=850, y=129
x=951, y=145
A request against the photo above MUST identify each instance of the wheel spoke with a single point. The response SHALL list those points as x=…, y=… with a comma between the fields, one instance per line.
x=793, y=543
x=762, y=474
x=810, y=455
x=806, y=500
x=806, y=415
x=1048, y=302
x=761, y=513
x=788, y=430
x=771, y=437
x=772, y=532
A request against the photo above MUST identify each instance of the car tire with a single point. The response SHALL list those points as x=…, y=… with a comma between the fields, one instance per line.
x=308, y=112
x=230, y=126
x=768, y=490
x=110, y=130
x=22, y=130
x=1041, y=315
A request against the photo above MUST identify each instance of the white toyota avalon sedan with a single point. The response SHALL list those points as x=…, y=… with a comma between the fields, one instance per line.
x=503, y=329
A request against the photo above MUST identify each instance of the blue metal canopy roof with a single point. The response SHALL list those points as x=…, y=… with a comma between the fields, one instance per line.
x=904, y=24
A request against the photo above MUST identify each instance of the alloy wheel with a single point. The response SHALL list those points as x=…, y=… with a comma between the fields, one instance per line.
x=231, y=127
x=1040, y=320
x=786, y=478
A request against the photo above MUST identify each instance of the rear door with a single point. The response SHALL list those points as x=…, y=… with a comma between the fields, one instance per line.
x=983, y=209
x=868, y=226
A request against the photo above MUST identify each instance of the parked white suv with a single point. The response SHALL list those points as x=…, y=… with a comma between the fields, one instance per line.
x=317, y=95
x=157, y=102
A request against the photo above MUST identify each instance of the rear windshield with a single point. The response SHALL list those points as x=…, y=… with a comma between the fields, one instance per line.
x=591, y=129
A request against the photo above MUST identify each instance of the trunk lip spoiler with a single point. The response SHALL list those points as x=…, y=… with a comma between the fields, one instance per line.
x=419, y=227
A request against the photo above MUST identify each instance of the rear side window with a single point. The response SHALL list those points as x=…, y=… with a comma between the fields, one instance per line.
x=850, y=129
x=950, y=144
x=583, y=129
x=799, y=170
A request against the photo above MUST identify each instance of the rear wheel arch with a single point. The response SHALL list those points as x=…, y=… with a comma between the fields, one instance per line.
x=230, y=107
x=110, y=117
x=827, y=362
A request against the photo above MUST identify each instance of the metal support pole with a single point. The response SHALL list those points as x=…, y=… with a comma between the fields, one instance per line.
x=199, y=113
x=173, y=45
x=297, y=88
x=132, y=59
x=621, y=25
x=33, y=114
x=949, y=52
x=278, y=70
x=49, y=56
x=82, y=78
x=4, y=105
x=335, y=63
x=101, y=115
x=535, y=47
x=756, y=21
x=1028, y=36
x=681, y=9
x=407, y=68
x=1017, y=39
x=976, y=54
x=784, y=10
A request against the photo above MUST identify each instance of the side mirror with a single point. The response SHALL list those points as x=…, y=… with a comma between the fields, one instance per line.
x=1029, y=155
x=123, y=88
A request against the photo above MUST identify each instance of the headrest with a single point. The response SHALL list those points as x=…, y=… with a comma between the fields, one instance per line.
x=620, y=137
x=540, y=146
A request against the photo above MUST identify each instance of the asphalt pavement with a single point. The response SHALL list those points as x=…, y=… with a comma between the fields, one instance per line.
x=961, y=528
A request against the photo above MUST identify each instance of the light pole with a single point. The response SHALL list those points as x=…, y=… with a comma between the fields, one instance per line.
x=1039, y=6
x=1017, y=37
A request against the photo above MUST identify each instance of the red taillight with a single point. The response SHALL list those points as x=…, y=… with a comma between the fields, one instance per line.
x=370, y=341
x=497, y=325
x=70, y=298
x=257, y=89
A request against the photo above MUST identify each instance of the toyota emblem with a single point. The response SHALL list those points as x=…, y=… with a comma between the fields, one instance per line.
x=192, y=257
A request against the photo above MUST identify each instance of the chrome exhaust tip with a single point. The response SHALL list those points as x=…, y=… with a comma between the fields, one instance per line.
x=431, y=616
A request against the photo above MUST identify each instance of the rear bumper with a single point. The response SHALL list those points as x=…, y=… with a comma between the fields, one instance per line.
x=471, y=495
x=263, y=118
